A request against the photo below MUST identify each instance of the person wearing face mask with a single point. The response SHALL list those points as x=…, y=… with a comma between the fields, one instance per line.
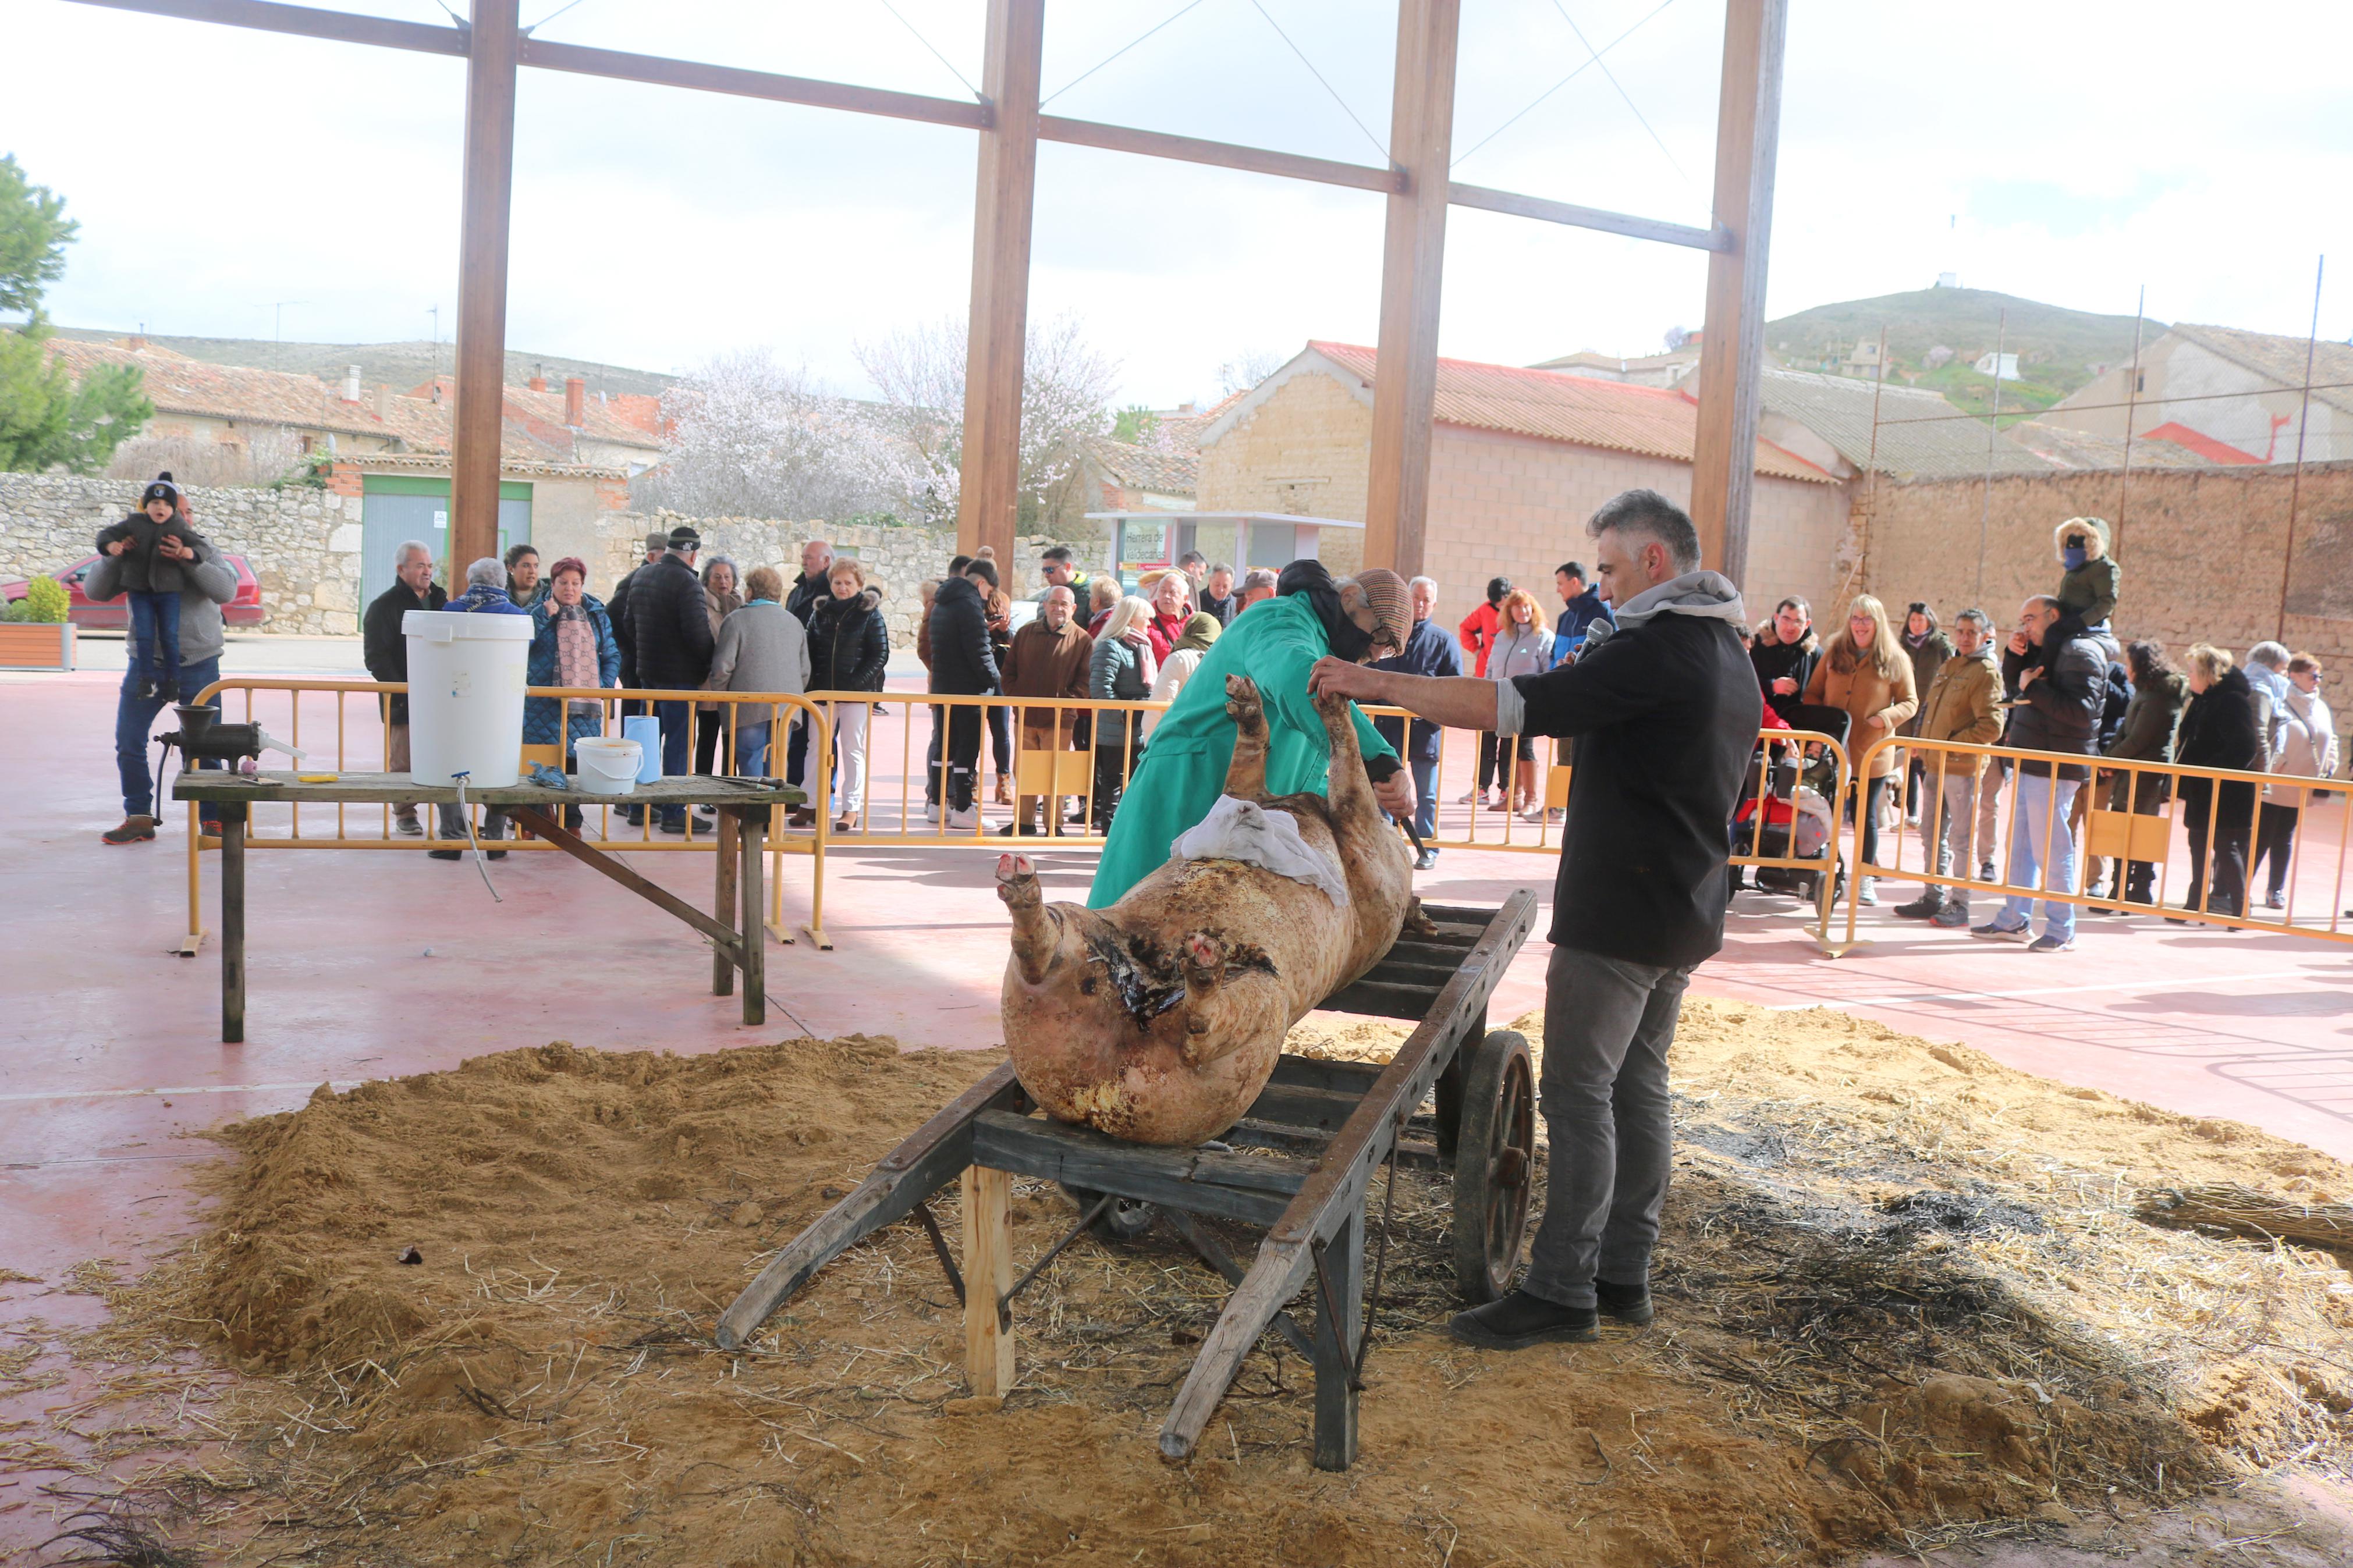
x=1312, y=617
x=2088, y=591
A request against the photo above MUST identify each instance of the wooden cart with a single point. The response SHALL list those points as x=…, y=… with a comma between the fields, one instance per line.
x=1330, y=1124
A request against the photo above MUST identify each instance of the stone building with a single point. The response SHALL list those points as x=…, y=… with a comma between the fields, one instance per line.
x=1519, y=459
x=2234, y=396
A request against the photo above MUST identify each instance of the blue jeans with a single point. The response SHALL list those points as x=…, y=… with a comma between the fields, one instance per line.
x=155, y=637
x=751, y=750
x=1425, y=788
x=134, y=717
x=2036, y=808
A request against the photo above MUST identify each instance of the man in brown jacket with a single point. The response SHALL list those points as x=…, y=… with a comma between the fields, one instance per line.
x=1960, y=704
x=1048, y=658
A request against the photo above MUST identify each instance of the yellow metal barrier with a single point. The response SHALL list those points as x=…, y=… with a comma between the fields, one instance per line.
x=2131, y=811
x=350, y=753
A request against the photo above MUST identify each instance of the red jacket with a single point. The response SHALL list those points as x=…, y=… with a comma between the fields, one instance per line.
x=1164, y=631
x=1478, y=631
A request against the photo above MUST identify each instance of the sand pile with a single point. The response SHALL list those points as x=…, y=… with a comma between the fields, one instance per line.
x=1902, y=1298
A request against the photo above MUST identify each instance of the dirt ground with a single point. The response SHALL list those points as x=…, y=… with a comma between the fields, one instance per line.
x=1904, y=1299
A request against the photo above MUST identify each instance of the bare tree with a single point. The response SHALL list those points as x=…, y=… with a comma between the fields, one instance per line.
x=1066, y=387
x=754, y=438
x=1248, y=368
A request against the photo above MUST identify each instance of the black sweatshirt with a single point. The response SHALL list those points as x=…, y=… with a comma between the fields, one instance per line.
x=1665, y=715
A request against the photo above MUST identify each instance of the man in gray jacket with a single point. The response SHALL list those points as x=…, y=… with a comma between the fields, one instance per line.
x=212, y=583
x=2062, y=679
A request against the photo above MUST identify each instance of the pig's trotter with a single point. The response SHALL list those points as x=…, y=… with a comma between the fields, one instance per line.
x=1037, y=932
x=1416, y=924
x=1349, y=790
x=1246, y=775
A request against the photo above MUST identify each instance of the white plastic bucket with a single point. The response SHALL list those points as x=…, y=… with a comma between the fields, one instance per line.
x=608, y=766
x=465, y=696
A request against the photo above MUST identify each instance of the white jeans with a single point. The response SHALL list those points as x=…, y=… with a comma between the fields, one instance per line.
x=850, y=724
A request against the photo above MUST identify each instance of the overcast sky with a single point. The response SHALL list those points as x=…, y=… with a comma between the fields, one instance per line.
x=2057, y=152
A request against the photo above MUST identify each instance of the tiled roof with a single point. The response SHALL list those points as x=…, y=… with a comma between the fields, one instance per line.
x=2281, y=360
x=1145, y=467
x=2082, y=449
x=1581, y=410
x=540, y=415
x=1184, y=430
x=1920, y=436
x=178, y=384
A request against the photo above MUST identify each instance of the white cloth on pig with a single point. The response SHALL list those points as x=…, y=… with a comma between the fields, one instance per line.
x=1237, y=829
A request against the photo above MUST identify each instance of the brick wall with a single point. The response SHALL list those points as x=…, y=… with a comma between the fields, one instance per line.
x=1499, y=504
x=2201, y=552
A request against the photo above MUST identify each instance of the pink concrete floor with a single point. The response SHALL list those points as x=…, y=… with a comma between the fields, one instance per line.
x=374, y=964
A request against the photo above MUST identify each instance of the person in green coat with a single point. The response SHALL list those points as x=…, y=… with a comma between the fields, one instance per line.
x=1275, y=643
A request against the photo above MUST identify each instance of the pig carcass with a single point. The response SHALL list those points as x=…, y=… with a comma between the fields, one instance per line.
x=1159, y=1019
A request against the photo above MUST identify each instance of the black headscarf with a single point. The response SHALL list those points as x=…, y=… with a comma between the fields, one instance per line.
x=1308, y=578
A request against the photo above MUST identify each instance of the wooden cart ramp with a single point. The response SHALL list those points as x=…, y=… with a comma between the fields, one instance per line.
x=1318, y=1131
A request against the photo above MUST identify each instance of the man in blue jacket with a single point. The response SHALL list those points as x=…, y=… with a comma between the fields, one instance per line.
x=1581, y=606
x=1429, y=651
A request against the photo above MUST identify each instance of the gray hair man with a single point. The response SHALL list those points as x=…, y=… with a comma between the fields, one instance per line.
x=385, y=648
x=1665, y=715
x=1428, y=651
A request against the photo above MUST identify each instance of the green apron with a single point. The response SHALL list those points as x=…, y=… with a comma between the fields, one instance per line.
x=1275, y=643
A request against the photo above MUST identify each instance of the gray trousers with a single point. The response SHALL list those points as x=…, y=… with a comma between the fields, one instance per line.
x=1948, y=820
x=1607, y=1025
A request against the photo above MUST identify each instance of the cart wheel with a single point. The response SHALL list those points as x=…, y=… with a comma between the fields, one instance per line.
x=1126, y=1220
x=1494, y=1165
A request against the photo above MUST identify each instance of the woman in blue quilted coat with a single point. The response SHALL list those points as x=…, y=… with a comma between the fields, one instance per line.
x=571, y=645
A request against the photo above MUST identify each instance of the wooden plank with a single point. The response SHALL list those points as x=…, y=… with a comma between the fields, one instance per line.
x=752, y=940
x=1335, y=1190
x=989, y=496
x=1393, y=969
x=494, y=46
x=987, y=1275
x=304, y=21
x=926, y=1162
x=1339, y=1324
x=1731, y=342
x=1575, y=216
x=1377, y=1000
x=1218, y=154
x=398, y=789
x=1310, y=1072
x=1413, y=255
x=1212, y=1251
x=722, y=904
x=564, y=838
x=1230, y=1186
x=232, y=921
x=735, y=82
x=1299, y=1106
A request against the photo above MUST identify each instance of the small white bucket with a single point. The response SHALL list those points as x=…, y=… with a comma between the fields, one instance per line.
x=608, y=766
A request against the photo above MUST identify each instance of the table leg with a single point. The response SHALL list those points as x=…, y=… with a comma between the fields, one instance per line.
x=723, y=963
x=751, y=844
x=987, y=1275
x=1339, y=1300
x=232, y=880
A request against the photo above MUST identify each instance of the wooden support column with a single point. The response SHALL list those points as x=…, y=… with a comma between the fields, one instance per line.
x=1731, y=342
x=1413, y=256
x=990, y=498
x=987, y=1275
x=492, y=50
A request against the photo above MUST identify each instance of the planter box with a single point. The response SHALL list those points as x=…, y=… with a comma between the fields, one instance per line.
x=36, y=644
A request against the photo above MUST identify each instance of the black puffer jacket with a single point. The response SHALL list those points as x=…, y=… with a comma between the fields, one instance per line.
x=1772, y=661
x=963, y=661
x=616, y=607
x=2219, y=730
x=670, y=625
x=849, y=645
x=2062, y=704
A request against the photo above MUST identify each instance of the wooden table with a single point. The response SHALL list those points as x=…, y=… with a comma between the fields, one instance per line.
x=735, y=929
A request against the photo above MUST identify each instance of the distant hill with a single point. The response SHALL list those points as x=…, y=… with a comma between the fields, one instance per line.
x=399, y=365
x=2058, y=350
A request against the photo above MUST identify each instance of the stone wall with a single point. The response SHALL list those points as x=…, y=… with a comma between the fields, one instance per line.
x=898, y=558
x=2202, y=553
x=302, y=544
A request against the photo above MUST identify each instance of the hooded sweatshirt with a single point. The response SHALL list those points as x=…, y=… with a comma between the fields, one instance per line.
x=1665, y=713
x=2089, y=589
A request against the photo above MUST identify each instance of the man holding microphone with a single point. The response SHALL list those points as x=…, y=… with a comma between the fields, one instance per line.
x=1665, y=715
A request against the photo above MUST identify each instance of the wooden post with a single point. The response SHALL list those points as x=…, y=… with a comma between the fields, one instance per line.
x=1339, y=1308
x=722, y=901
x=751, y=843
x=493, y=50
x=987, y=1275
x=1413, y=254
x=233, y=815
x=1732, y=340
x=990, y=498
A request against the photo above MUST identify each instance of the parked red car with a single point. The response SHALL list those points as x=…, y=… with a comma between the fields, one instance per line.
x=243, y=610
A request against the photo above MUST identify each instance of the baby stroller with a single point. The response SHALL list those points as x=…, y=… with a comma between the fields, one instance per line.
x=1799, y=823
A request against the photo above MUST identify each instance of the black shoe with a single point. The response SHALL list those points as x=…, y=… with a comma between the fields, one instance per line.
x=673, y=823
x=1627, y=1303
x=1920, y=908
x=1520, y=1320
x=494, y=854
x=444, y=854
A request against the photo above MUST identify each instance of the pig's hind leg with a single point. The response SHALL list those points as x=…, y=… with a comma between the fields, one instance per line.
x=1246, y=775
x=1349, y=790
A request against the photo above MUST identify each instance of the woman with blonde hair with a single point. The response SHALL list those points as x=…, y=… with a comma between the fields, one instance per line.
x=1123, y=670
x=1865, y=671
x=1522, y=645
